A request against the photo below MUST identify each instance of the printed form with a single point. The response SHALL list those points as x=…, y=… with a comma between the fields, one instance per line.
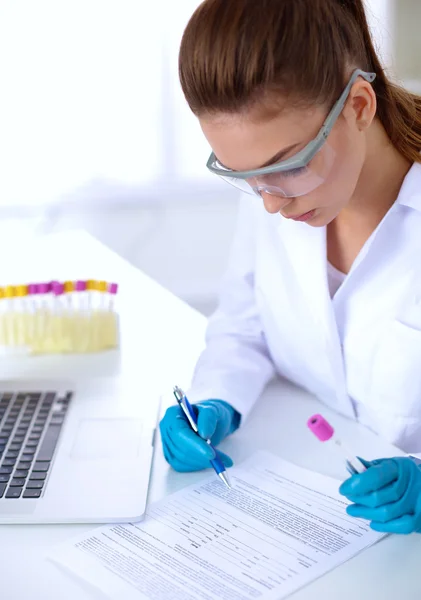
x=276, y=530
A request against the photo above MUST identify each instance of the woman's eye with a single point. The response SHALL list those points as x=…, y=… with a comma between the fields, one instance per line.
x=294, y=172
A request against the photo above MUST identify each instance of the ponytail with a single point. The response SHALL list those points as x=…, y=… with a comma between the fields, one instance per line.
x=398, y=109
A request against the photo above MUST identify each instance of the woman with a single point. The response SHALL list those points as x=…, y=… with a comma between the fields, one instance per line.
x=324, y=286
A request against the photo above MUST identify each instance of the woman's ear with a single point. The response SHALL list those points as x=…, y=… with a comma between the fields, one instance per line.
x=361, y=105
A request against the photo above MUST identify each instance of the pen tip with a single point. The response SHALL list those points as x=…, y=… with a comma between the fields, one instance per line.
x=178, y=392
x=225, y=479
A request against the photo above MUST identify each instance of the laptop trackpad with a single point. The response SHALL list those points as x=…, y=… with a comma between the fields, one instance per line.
x=107, y=439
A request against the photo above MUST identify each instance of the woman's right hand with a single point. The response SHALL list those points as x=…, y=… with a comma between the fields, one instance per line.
x=183, y=449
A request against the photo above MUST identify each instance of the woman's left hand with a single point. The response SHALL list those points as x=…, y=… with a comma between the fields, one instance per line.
x=388, y=494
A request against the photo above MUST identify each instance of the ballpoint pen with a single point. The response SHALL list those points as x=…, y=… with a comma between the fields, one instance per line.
x=190, y=415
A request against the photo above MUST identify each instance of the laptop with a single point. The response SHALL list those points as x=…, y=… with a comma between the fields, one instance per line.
x=74, y=452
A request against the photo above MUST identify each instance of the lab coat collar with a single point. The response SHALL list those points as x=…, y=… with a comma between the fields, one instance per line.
x=410, y=192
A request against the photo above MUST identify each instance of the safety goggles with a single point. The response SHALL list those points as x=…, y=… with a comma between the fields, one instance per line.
x=300, y=174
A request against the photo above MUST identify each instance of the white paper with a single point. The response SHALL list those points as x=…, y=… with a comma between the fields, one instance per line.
x=279, y=528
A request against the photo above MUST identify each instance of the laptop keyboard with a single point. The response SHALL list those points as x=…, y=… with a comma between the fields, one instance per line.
x=30, y=426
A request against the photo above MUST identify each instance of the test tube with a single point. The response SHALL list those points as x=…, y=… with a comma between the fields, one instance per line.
x=33, y=307
x=325, y=433
x=2, y=318
x=84, y=315
x=91, y=289
x=9, y=294
x=112, y=289
x=43, y=330
x=58, y=326
x=21, y=314
x=69, y=288
x=102, y=287
x=112, y=336
x=69, y=311
x=80, y=287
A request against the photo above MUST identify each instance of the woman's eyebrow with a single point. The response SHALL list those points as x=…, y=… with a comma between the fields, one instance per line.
x=278, y=156
x=271, y=161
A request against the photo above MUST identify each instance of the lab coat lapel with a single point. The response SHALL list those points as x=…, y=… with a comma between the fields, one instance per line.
x=306, y=247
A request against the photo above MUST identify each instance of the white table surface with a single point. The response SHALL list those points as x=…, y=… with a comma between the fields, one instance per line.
x=161, y=338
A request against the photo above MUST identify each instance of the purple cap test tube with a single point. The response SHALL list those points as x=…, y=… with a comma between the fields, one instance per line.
x=80, y=285
x=320, y=427
x=44, y=288
x=32, y=288
x=57, y=288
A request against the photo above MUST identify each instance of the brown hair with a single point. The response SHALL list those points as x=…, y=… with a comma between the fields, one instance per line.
x=233, y=51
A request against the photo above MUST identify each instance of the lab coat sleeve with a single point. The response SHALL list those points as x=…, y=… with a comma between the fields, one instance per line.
x=235, y=365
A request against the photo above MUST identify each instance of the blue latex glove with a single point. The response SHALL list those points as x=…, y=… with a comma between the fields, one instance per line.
x=388, y=494
x=183, y=449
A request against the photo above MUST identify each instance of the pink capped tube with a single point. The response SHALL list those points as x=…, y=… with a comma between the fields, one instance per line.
x=320, y=427
x=44, y=288
x=32, y=289
x=57, y=288
x=324, y=432
x=82, y=296
x=80, y=285
x=112, y=289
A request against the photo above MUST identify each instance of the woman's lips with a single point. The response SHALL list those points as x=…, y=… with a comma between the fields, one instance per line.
x=304, y=217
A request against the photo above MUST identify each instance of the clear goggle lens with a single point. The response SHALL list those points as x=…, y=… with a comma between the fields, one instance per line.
x=292, y=183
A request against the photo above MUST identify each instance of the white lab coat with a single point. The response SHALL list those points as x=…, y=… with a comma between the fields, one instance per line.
x=360, y=353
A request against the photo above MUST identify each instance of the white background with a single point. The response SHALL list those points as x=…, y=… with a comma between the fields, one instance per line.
x=95, y=133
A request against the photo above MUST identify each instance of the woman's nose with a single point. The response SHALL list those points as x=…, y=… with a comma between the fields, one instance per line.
x=274, y=204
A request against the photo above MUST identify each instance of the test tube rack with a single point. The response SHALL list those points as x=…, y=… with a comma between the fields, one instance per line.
x=58, y=317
